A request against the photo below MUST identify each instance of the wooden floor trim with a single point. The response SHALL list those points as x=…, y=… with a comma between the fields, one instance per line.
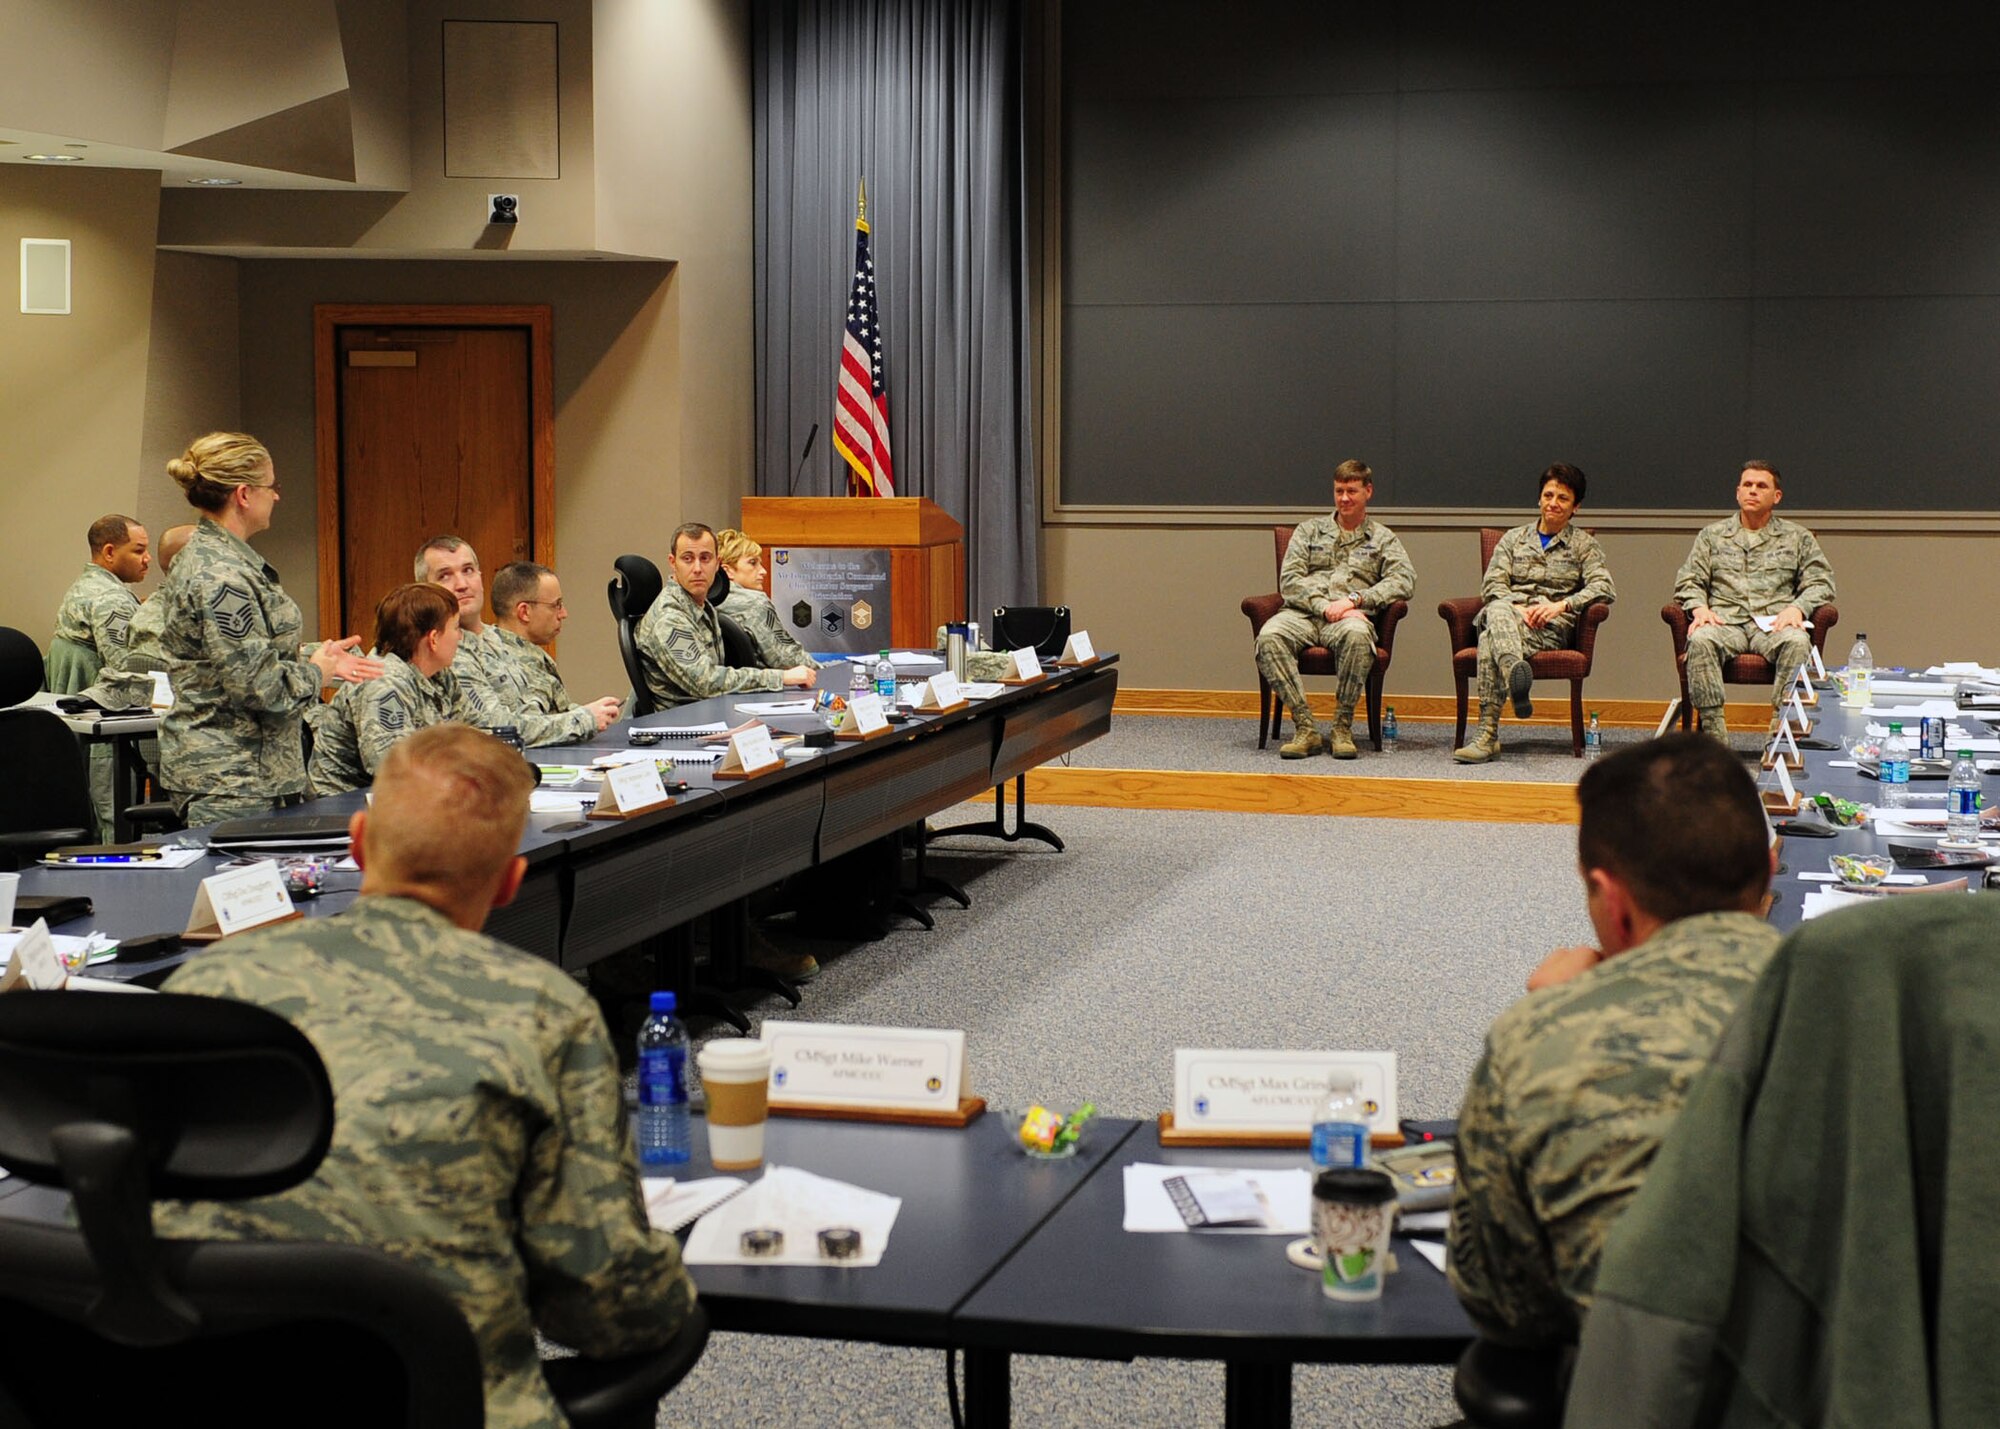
x=1551, y=707
x=1470, y=800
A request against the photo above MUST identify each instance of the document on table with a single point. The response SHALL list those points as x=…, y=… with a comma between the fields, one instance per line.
x=75, y=951
x=779, y=707
x=1964, y=670
x=1149, y=1207
x=1911, y=687
x=982, y=689
x=675, y=1205
x=903, y=659
x=801, y=1205
x=1944, y=709
x=1831, y=900
x=1431, y=1250
x=559, y=801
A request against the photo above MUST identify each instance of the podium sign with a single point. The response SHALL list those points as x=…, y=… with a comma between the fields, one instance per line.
x=832, y=597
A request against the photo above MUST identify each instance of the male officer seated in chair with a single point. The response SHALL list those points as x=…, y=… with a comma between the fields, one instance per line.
x=1580, y=1080
x=479, y=1127
x=1339, y=571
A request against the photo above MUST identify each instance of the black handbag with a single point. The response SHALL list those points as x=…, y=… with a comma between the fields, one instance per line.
x=1017, y=627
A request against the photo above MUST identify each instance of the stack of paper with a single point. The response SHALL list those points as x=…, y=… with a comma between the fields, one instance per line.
x=1150, y=1207
x=801, y=1205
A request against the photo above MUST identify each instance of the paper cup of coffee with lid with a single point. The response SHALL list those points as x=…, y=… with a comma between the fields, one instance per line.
x=736, y=1080
x=1353, y=1212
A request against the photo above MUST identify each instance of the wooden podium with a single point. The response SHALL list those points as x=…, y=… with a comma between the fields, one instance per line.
x=926, y=550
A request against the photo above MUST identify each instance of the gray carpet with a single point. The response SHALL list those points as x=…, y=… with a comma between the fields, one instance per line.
x=1075, y=975
x=1529, y=752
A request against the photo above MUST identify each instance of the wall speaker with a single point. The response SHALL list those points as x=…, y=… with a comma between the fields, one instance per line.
x=45, y=275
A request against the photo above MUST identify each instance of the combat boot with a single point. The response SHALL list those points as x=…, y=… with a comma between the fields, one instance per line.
x=1520, y=681
x=1484, y=746
x=1711, y=723
x=1307, y=742
x=1340, y=739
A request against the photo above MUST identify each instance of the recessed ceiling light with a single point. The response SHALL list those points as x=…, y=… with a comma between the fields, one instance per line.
x=215, y=183
x=54, y=158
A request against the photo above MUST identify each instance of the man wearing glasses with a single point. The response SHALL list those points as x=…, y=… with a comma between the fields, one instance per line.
x=529, y=614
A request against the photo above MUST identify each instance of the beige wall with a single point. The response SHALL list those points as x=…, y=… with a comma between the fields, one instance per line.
x=192, y=376
x=72, y=389
x=1167, y=601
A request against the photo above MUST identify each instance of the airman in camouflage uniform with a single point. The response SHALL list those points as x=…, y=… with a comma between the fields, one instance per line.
x=680, y=639
x=758, y=619
x=232, y=746
x=143, y=651
x=1537, y=585
x=1339, y=572
x=1580, y=1081
x=357, y=731
x=530, y=610
x=1755, y=563
x=479, y=1131
x=95, y=618
x=482, y=672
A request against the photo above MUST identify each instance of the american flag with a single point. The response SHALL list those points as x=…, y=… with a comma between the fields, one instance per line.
x=861, y=405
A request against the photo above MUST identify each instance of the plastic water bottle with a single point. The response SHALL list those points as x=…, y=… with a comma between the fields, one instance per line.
x=1861, y=673
x=1340, y=1127
x=663, y=1095
x=860, y=679
x=1389, y=730
x=1895, y=769
x=1593, y=737
x=1961, y=804
x=885, y=680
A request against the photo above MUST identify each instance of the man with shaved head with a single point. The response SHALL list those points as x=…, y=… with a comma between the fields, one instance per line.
x=479, y=1130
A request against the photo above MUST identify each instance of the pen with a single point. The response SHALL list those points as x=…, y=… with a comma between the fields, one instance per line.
x=116, y=858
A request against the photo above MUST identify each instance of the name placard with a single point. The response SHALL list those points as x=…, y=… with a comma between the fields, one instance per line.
x=1784, y=749
x=941, y=692
x=862, y=719
x=1785, y=782
x=1819, y=665
x=750, y=753
x=1235, y=1089
x=1799, y=720
x=236, y=899
x=885, y=1068
x=1077, y=651
x=630, y=789
x=35, y=964
x=1027, y=664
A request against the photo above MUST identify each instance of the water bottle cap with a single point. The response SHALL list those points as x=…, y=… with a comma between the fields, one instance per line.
x=664, y=1002
x=1895, y=726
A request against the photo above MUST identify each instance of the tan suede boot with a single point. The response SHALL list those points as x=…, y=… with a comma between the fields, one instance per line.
x=1340, y=739
x=1304, y=744
x=1483, y=746
x=1711, y=723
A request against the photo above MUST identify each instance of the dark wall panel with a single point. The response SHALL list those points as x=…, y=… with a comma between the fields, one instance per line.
x=1271, y=200
x=1462, y=241
x=1222, y=405
x=1879, y=186
x=1880, y=401
x=1648, y=398
x=1562, y=193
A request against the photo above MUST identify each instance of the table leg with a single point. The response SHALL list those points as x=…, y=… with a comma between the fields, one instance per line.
x=1256, y=1396
x=124, y=779
x=989, y=1389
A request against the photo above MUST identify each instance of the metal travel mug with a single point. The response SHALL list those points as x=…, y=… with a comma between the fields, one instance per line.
x=954, y=651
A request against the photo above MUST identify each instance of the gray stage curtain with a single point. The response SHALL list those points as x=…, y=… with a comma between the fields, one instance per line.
x=921, y=98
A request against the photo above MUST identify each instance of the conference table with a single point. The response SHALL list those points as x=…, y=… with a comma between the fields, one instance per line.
x=1832, y=771
x=594, y=888
x=997, y=1253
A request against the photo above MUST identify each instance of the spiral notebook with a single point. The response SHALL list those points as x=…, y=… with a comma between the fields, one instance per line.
x=684, y=731
x=676, y=1205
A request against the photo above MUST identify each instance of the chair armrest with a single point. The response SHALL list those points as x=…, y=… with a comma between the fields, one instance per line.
x=1824, y=619
x=1459, y=615
x=1386, y=622
x=596, y=1393
x=1677, y=623
x=1594, y=615
x=1260, y=608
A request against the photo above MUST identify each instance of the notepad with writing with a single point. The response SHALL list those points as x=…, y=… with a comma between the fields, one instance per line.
x=676, y=1205
x=1217, y=1199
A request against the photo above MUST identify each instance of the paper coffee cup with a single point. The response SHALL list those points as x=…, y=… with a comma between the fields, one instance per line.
x=1353, y=1212
x=736, y=1080
x=10, y=884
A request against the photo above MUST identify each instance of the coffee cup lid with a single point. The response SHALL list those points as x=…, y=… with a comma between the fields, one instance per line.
x=1354, y=1185
x=734, y=1052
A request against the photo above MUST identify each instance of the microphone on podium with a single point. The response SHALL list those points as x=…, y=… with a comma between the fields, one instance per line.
x=793, y=490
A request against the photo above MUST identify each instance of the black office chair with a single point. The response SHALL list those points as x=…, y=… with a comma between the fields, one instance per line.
x=633, y=589
x=128, y=1100
x=1507, y=1387
x=45, y=798
x=20, y=666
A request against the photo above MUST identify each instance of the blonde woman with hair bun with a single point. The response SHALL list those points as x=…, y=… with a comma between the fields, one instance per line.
x=749, y=603
x=233, y=746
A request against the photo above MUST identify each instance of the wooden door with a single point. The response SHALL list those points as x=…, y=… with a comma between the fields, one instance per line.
x=435, y=426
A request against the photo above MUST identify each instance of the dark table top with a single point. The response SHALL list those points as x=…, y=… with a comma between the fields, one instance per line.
x=1085, y=1286
x=969, y=1197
